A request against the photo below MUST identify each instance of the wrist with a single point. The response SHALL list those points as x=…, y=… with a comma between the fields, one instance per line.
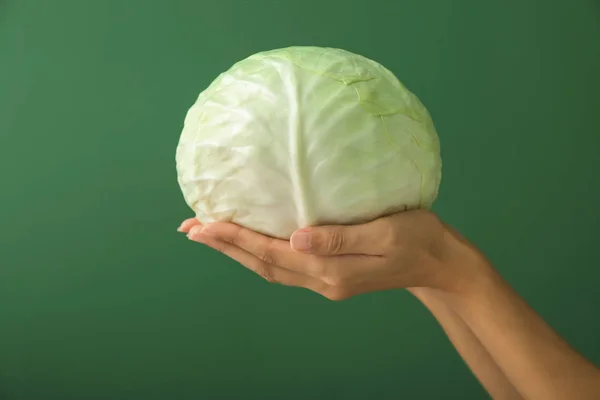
x=463, y=270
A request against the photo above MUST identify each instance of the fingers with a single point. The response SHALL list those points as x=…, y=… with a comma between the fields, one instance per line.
x=270, y=273
x=364, y=239
x=275, y=261
x=188, y=224
x=266, y=249
x=278, y=252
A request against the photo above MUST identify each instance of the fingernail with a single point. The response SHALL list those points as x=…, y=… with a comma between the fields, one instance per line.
x=301, y=240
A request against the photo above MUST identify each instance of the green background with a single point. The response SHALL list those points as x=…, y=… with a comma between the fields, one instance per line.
x=101, y=298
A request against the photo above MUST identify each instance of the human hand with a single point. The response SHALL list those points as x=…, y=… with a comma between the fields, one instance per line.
x=406, y=250
x=481, y=314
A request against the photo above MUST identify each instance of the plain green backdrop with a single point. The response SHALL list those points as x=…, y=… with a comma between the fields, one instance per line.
x=101, y=298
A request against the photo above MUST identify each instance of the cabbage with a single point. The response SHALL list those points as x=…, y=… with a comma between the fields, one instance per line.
x=305, y=136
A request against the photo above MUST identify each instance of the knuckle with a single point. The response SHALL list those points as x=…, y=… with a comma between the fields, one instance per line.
x=266, y=273
x=267, y=258
x=255, y=265
x=336, y=241
x=267, y=255
x=236, y=239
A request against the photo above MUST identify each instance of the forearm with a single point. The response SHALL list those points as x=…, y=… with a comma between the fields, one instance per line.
x=468, y=346
x=534, y=358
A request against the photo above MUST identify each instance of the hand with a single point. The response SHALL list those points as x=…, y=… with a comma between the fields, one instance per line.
x=483, y=316
x=409, y=249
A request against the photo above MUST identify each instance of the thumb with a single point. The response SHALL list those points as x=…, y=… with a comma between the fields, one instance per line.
x=335, y=240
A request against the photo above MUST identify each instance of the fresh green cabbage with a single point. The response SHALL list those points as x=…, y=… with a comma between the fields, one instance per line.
x=306, y=136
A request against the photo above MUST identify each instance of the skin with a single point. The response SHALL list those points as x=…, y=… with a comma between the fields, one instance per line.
x=509, y=348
